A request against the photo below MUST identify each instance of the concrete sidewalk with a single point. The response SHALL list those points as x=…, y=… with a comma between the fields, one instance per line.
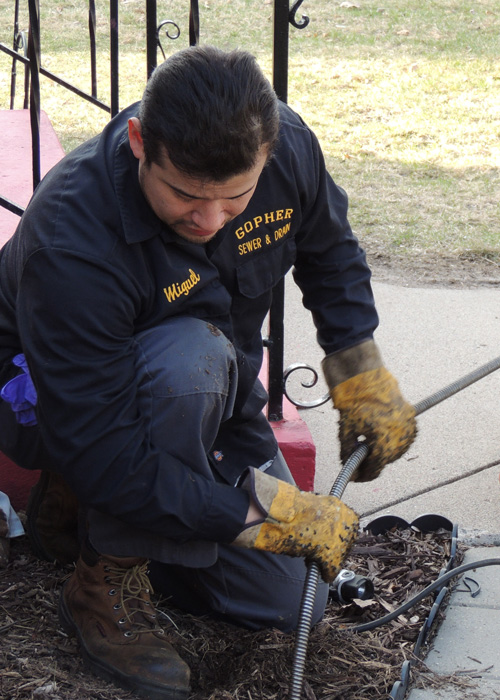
x=430, y=337
x=467, y=644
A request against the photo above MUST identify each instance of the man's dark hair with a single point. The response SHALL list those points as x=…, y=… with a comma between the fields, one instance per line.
x=210, y=110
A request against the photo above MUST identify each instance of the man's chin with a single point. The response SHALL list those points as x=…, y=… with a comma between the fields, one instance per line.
x=193, y=237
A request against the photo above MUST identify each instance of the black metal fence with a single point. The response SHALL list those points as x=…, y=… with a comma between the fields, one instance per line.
x=26, y=53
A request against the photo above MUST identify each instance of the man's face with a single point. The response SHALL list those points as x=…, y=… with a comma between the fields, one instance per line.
x=195, y=209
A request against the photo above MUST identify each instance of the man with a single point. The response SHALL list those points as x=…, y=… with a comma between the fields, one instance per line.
x=132, y=299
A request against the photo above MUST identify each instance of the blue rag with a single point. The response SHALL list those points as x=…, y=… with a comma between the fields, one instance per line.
x=21, y=394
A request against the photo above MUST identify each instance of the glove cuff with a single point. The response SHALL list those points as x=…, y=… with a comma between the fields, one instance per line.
x=273, y=497
x=261, y=486
x=345, y=364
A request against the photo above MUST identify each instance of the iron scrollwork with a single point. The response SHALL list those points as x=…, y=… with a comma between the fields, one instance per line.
x=172, y=32
x=298, y=24
x=307, y=385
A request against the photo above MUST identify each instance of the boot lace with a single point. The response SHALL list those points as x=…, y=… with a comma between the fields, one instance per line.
x=133, y=588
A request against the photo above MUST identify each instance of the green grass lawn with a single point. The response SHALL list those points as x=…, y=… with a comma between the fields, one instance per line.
x=404, y=97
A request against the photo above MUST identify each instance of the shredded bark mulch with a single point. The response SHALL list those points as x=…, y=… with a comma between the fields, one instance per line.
x=37, y=660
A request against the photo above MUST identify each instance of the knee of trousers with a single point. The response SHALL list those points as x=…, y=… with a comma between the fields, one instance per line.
x=185, y=356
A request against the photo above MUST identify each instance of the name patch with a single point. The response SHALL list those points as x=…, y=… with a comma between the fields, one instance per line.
x=179, y=289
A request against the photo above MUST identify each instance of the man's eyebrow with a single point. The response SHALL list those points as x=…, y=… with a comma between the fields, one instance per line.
x=192, y=196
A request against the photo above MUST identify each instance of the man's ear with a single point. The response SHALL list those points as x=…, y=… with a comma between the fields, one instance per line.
x=135, y=137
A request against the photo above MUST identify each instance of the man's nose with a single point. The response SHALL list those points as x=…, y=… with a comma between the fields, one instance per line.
x=209, y=216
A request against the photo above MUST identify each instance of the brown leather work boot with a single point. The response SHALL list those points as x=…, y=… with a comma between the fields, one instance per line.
x=106, y=602
x=52, y=519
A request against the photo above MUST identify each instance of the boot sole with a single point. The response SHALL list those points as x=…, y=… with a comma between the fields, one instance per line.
x=108, y=673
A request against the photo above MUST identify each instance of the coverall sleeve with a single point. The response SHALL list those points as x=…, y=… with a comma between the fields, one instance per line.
x=331, y=268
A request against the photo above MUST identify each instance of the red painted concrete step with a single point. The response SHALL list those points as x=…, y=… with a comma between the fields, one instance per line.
x=294, y=440
x=16, y=179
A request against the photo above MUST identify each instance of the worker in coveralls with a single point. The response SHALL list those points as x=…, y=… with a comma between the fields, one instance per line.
x=132, y=297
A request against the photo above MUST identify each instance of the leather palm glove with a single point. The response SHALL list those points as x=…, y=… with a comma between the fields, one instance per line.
x=370, y=404
x=298, y=523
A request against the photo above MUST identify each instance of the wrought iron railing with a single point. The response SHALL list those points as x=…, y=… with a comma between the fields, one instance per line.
x=27, y=52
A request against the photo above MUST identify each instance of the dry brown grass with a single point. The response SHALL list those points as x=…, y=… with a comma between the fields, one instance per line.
x=403, y=96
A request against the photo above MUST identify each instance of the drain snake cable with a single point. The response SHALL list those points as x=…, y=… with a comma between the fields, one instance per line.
x=438, y=583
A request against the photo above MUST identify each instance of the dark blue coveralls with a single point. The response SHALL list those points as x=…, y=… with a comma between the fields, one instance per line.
x=145, y=349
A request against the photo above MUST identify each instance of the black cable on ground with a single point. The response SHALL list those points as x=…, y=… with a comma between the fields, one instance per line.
x=438, y=583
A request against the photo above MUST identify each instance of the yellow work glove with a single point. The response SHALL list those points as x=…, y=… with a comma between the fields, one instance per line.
x=298, y=523
x=371, y=406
